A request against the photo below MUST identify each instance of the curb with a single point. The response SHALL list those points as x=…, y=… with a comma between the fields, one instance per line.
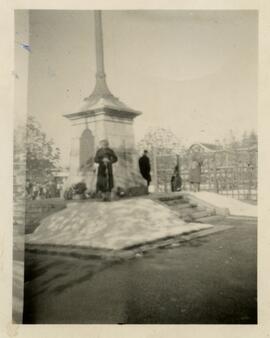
x=128, y=253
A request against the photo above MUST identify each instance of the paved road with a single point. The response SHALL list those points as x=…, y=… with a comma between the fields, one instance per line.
x=211, y=280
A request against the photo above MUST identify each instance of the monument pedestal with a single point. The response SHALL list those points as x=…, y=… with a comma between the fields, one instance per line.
x=87, y=131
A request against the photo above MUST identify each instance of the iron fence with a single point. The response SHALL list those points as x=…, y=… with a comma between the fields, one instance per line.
x=230, y=173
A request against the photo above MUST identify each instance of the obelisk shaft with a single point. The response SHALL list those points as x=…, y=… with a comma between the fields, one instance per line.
x=101, y=88
x=99, y=43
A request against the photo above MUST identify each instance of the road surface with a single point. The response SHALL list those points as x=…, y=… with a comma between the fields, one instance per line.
x=211, y=280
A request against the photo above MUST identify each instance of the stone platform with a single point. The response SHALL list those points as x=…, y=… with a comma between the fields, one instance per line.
x=115, y=225
x=234, y=206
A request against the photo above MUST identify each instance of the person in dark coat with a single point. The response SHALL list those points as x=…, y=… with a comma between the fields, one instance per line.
x=145, y=167
x=176, y=181
x=105, y=157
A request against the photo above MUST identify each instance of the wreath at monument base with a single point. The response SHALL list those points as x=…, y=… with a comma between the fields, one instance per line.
x=76, y=191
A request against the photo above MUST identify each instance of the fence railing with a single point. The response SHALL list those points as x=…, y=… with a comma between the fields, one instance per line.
x=237, y=179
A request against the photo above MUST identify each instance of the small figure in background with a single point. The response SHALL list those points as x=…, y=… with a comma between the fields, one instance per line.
x=105, y=157
x=58, y=189
x=29, y=187
x=176, y=181
x=195, y=174
x=44, y=191
x=52, y=189
x=39, y=191
x=34, y=191
x=145, y=167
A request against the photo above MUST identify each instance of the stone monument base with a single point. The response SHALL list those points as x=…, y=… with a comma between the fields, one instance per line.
x=114, y=225
x=127, y=177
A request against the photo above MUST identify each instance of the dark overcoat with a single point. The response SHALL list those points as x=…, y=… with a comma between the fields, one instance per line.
x=145, y=167
x=105, y=172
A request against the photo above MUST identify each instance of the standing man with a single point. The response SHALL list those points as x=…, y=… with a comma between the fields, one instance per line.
x=176, y=181
x=145, y=167
x=105, y=157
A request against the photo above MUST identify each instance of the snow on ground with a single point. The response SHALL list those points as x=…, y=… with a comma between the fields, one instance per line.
x=235, y=207
x=112, y=225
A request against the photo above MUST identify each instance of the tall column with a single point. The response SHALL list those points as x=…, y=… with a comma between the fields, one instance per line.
x=99, y=44
x=101, y=88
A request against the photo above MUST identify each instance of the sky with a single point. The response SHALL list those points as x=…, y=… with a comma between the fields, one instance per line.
x=194, y=72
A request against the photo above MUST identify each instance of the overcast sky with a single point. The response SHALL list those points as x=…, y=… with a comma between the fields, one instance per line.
x=194, y=72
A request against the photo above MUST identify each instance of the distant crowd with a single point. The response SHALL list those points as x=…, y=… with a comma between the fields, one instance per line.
x=36, y=191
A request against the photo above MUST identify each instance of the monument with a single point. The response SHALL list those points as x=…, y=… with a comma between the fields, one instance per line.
x=103, y=116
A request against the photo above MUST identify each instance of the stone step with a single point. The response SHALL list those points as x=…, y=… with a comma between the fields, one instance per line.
x=182, y=206
x=175, y=201
x=185, y=211
x=211, y=219
x=190, y=210
x=201, y=214
x=197, y=208
x=193, y=204
x=178, y=206
x=171, y=198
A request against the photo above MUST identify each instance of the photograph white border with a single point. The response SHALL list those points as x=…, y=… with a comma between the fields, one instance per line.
x=7, y=329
